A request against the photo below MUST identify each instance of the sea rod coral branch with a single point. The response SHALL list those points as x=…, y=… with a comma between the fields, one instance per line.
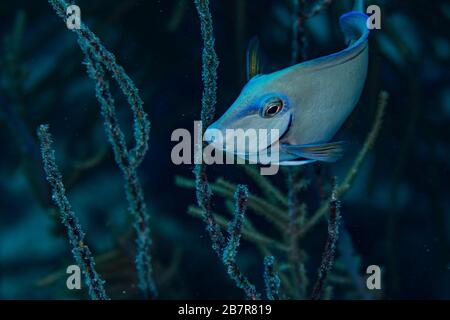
x=248, y=232
x=209, y=97
x=210, y=63
x=235, y=226
x=271, y=278
x=234, y=233
x=227, y=252
x=133, y=187
x=97, y=59
x=87, y=39
x=330, y=245
x=80, y=250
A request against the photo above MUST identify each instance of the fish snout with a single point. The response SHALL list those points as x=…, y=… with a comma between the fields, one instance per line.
x=214, y=137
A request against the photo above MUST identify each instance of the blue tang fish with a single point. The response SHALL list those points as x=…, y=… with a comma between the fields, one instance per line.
x=307, y=102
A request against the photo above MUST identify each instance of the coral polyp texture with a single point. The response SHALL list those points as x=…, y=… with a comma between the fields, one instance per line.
x=97, y=59
x=80, y=250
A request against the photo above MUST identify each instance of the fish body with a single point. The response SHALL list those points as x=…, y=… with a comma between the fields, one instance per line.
x=307, y=103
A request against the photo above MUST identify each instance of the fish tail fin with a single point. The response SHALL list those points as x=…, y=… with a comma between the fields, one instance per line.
x=354, y=26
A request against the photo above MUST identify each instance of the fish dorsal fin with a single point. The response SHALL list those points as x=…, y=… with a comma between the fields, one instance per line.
x=253, y=58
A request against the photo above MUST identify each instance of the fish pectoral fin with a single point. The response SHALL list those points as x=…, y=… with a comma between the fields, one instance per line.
x=326, y=152
x=253, y=59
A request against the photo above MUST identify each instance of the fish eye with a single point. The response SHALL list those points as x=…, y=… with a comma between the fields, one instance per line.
x=271, y=107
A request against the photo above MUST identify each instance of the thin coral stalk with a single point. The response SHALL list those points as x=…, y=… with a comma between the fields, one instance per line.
x=133, y=188
x=330, y=246
x=293, y=212
x=227, y=251
x=97, y=59
x=271, y=278
x=270, y=212
x=248, y=232
x=235, y=226
x=210, y=63
x=258, y=205
x=236, y=229
x=230, y=251
x=209, y=76
x=89, y=41
x=204, y=194
x=76, y=236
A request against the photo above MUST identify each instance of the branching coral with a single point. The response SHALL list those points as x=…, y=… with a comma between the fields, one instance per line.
x=226, y=251
x=210, y=63
x=76, y=236
x=209, y=77
x=234, y=236
x=330, y=246
x=271, y=278
x=97, y=59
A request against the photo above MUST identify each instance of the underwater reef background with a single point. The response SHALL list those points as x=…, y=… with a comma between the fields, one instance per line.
x=394, y=212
